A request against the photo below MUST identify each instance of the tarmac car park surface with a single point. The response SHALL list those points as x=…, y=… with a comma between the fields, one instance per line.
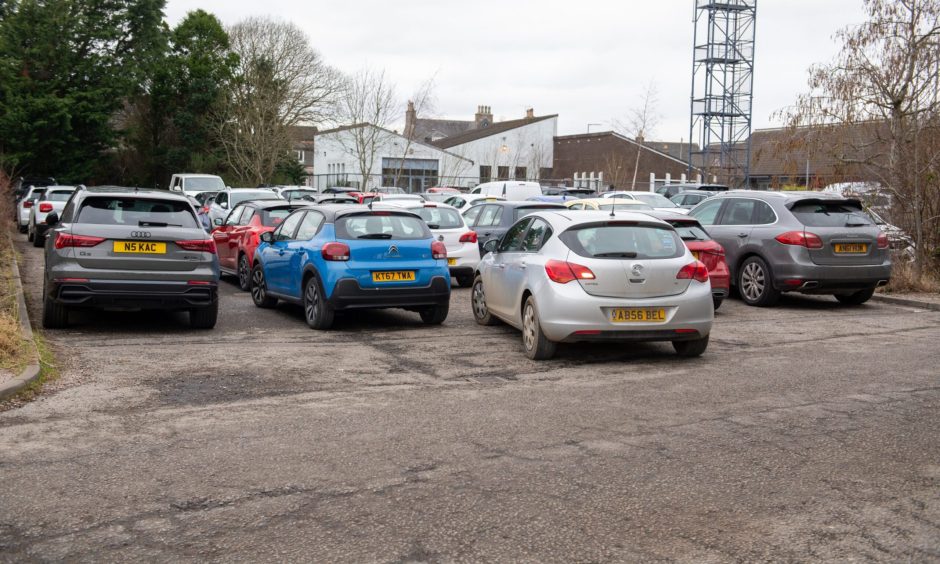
x=806, y=432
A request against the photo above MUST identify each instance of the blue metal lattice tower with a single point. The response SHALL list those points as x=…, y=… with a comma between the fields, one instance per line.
x=722, y=84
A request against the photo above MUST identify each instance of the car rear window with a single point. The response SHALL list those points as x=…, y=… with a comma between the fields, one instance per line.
x=830, y=214
x=620, y=240
x=655, y=200
x=59, y=195
x=519, y=213
x=440, y=218
x=37, y=192
x=204, y=183
x=622, y=207
x=239, y=197
x=689, y=230
x=381, y=225
x=273, y=218
x=136, y=212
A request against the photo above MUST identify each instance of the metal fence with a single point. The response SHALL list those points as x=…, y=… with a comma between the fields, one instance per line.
x=412, y=184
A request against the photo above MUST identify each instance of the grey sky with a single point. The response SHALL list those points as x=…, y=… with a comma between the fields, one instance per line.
x=588, y=61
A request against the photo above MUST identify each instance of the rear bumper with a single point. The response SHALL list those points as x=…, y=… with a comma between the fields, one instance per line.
x=134, y=294
x=823, y=279
x=347, y=294
x=456, y=271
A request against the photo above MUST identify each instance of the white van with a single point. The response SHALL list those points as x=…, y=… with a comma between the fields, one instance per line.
x=512, y=190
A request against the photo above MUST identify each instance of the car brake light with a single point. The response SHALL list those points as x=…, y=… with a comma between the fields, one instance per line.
x=469, y=237
x=68, y=240
x=800, y=239
x=693, y=271
x=438, y=250
x=45, y=207
x=28, y=204
x=883, y=240
x=563, y=272
x=713, y=248
x=199, y=245
x=335, y=251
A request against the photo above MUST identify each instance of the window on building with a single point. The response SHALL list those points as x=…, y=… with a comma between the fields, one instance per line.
x=545, y=173
x=502, y=173
x=300, y=156
x=486, y=173
x=411, y=175
x=520, y=173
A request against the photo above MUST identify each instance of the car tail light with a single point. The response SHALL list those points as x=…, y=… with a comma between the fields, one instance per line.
x=563, y=272
x=469, y=237
x=199, y=245
x=883, y=240
x=28, y=204
x=68, y=240
x=45, y=207
x=693, y=271
x=438, y=250
x=712, y=248
x=801, y=239
x=335, y=251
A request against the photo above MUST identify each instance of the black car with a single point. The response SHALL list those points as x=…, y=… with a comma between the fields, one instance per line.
x=492, y=219
x=670, y=190
x=330, y=198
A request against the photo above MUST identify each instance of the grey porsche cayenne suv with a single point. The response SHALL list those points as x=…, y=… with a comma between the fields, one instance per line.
x=129, y=249
x=807, y=242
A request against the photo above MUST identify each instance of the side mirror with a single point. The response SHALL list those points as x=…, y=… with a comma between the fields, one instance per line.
x=267, y=236
x=490, y=246
x=223, y=205
x=217, y=221
x=176, y=188
x=52, y=219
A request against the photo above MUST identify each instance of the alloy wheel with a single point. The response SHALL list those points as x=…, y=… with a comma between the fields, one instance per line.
x=752, y=281
x=312, y=302
x=529, y=327
x=257, y=285
x=479, y=301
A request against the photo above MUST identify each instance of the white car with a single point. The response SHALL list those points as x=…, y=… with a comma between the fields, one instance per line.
x=571, y=276
x=296, y=192
x=53, y=200
x=464, y=201
x=658, y=201
x=447, y=225
x=24, y=205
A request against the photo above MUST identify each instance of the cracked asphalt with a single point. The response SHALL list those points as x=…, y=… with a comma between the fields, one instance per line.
x=806, y=432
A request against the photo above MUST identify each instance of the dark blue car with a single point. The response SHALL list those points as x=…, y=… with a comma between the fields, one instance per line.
x=335, y=258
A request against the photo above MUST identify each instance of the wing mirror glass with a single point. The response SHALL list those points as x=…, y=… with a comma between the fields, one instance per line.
x=217, y=221
x=267, y=236
x=490, y=246
x=52, y=219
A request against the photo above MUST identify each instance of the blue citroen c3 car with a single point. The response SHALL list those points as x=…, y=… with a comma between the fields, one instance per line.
x=339, y=257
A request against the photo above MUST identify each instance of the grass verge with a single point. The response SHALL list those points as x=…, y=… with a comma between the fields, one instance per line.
x=903, y=280
x=48, y=370
x=15, y=352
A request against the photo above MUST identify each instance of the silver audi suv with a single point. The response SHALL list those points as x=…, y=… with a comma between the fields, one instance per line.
x=123, y=248
x=808, y=242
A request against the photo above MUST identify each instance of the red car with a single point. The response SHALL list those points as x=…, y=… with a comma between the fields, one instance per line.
x=703, y=248
x=238, y=236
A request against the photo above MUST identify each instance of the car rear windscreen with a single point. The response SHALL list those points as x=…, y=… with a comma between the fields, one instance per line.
x=655, y=200
x=440, y=218
x=59, y=195
x=239, y=197
x=623, y=240
x=689, y=230
x=136, y=212
x=381, y=225
x=207, y=183
x=519, y=213
x=830, y=214
x=624, y=207
x=273, y=218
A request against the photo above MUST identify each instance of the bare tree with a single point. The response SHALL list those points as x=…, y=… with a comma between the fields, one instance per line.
x=367, y=98
x=885, y=82
x=281, y=82
x=641, y=122
x=422, y=102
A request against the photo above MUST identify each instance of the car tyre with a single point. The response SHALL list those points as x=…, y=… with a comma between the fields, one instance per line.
x=29, y=234
x=536, y=344
x=755, y=283
x=204, y=317
x=857, y=298
x=244, y=273
x=717, y=302
x=54, y=314
x=317, y=313
x=435, y=315
x=481, y=314
x=259, y=289
x=691, y=349
x=38, y=240
x=464, y=281
x=22, y=228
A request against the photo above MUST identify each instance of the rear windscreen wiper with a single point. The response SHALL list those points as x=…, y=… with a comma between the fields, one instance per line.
x=375, y=236
x=433, y=226
x=156, y=224
x=619, y=254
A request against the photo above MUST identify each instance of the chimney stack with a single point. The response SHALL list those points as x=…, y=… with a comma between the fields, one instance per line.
x=483, y=117
x=530, y=113
x=411, y=119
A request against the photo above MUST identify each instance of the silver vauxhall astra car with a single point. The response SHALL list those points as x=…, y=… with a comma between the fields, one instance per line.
x=571, y=276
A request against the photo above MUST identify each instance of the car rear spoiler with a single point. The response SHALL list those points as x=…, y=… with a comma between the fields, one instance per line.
x=854, y=202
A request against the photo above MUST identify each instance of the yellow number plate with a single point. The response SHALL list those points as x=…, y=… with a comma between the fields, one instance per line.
x=451, y=262
x=695, y=255
x=144, y=247
x=851, y=247
x=396, y=276
x=637, y=315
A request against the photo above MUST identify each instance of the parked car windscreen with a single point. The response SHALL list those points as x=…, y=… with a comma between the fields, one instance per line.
x=634, y=207
x=689, y=230
x=274, y=217
x=655, y=200
x=111, y=210
x=242, y=196
x=623, y=240
x=381, y=225
x=196, y=183
x=59, y=195
x=440, y=218
x=830, y=214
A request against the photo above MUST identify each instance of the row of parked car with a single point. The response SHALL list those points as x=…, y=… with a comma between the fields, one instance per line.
x=604, y=269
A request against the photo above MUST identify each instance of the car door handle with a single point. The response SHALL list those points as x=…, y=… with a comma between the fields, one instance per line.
x=499, y=266
x=488, y=233
x=522, y=265
x=280, y=253
x=742, y=234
